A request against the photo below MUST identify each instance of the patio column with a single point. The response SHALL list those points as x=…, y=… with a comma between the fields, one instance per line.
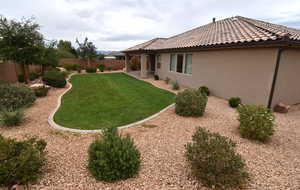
x=143, y=66
x=127, y=69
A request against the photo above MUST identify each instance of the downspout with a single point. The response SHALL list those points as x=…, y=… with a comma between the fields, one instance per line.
x=275, y=77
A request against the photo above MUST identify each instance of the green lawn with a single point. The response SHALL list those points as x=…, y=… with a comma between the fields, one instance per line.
x=97, y=101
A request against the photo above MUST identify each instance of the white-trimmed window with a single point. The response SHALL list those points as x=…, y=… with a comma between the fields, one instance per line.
x=188, y=64
x=181, y=63
x=173, y=60
x=158, y=61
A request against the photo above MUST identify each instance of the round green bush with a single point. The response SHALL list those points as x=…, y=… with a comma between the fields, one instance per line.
x=55, y=79
x=256, y=122
x=234, y=102
x=91, y=69
x=190, y=103
x=205, y=90
x=41, y=91
x=11, y=118
x=33, y=76
x=21, y=78
x=113, y=157
x=20, y=161
x=214, y=161
x=14, y=96
x=101, y=67
x=156, y=77
x=71, y=66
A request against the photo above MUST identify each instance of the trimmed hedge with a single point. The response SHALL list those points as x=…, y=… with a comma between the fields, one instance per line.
x=14, y=96
x=91, y=69
x=214, y=161
x=256, y=122
x=101, y=67
x=20, y=161
x=190, y=102
x=55, y=79
x=113, y=157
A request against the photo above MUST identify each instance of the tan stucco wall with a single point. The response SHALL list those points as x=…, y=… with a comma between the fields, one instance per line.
x=246, y=73
x=287, y=88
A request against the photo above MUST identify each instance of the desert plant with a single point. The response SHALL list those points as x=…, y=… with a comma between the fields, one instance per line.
x=33, y=76
x=256, y=122
x=20, y=161
x=156, y=77
x=167, y=80
x=14, y=96
x=55, y=79
x=190, y=102
x=21, y=78
x=71, y=66
x=41, y=91
x=11, y=118
x=234, y=102
x=205, y=90
x=113, y=157
x=175, y=85
x=91, y=69
x=214, y=161
x=101, y=67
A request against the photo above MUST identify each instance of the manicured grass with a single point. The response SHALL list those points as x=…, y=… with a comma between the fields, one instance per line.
x=97, y=101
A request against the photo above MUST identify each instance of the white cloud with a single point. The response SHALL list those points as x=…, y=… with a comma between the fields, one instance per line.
x=118, y=24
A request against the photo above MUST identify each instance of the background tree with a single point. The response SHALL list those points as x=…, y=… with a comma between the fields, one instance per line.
x=20, y=42
x=49, y=55
x=66, y=50
x=86, y=50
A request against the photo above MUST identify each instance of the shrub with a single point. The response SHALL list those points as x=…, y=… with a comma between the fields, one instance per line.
x=213, y=160
x=2, y=82
x=11, y=118
x=55, y=79
x=33, y=76
x=21, y=78
x=65, y=74
x=21, y=161
x=113, y=157
x=234, y=102
x=175, y=85
x=205, y=90
x=91, y=69
x=14, y=96
x=190, y=103
x=156, y=77
x=167, y=80
x=71, y=66
x=41, y=91
x=256, y=122
x=101, y=67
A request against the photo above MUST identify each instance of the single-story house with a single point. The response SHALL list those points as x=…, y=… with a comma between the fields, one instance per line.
x=234, y=57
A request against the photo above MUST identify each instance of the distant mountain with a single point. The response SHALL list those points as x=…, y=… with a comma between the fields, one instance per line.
x=104, y=52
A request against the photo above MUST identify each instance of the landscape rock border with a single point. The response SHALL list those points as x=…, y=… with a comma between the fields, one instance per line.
x=60, y=127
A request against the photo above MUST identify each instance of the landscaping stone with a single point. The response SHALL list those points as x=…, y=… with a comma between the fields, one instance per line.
x=281, y=108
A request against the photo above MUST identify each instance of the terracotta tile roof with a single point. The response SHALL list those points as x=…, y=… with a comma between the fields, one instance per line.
x=228, y=31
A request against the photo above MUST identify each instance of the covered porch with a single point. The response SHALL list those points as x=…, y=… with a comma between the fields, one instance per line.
x=147, y=67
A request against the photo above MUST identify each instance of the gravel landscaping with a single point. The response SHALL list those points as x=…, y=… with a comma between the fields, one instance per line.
x=274, y=165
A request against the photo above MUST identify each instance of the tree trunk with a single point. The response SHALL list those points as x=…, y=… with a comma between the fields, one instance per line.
x=26, y=73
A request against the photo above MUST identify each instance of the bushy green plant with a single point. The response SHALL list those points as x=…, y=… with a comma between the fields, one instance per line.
x=156, y=77
x=205, y=90
x=65, y=73
x=190, y=102
x=175, y=85
x=14, y=96
x=55, y=79
x=91, y=69
x=33, y=76
x=20, y=161
x=3, y=82
x=71, y=66
x=113, y=157
x=214, y=161
x=21, y=78
x=256, y=122
x=41, y=91
x=101, y=67
x=11, y=118
x=234, y=102
x=167, y=80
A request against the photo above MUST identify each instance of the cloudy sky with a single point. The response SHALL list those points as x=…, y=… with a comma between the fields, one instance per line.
x=119, y=24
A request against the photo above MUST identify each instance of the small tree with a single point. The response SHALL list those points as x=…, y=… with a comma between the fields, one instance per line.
x=20, y=42
x=86, y=50
x=66, y=46
x=48, y=55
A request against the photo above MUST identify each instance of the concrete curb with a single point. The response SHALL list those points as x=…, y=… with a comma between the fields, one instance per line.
x=57, y=126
